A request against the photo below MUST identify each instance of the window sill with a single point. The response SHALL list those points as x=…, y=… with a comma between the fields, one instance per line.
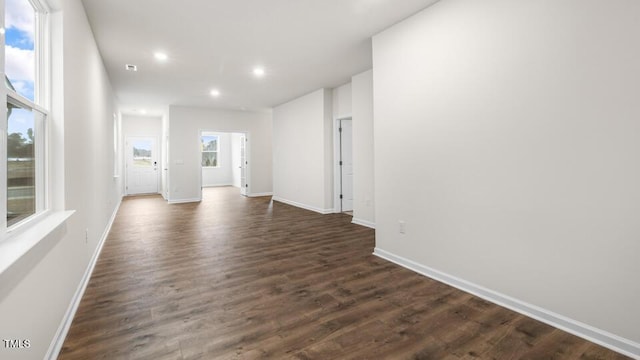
x=17, y=243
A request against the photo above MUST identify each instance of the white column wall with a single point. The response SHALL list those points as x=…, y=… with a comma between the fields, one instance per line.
x=507, y=137
x=363, y=155
x=303, y=152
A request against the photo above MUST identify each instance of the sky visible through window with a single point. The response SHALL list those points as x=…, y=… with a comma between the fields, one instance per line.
x=20, y=59
x=209, y=143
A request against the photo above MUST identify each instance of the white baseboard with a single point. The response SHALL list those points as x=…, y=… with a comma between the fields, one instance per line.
x=260, y=194
x=588, y=332
x=366, y=223
x=303, y=206
x=63, y=329
x=217, y=185
x=183, y=201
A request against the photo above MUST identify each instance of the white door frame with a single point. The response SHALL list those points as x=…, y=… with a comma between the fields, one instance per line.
x=337, y=203
x=244, y=164
x=164, y=175
x=246, y=150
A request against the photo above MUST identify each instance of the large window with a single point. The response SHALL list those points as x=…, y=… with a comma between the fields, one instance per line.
x=210, y=145
x=24, y=122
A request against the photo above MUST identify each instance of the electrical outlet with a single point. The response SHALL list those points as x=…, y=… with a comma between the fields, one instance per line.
x=402, y=227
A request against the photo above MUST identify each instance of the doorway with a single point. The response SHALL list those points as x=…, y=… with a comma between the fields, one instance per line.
x=345, y=164
x=225, y=160
x=141, y=166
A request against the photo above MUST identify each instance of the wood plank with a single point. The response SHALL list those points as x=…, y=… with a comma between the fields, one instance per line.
x=244, y=278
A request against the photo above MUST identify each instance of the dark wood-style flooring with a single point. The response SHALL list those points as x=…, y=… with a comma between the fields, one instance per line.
x=244, y=278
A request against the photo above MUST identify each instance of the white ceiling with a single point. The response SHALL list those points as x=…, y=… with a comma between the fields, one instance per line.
x=303, y=45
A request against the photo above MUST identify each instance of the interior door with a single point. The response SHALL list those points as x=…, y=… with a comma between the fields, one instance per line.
x=346, y=161
x=243, y=165
x=142, y=166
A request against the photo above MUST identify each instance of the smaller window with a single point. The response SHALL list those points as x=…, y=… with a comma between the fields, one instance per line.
x=210, y=146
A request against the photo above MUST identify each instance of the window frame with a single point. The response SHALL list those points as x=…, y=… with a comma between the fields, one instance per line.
x=41, y=104
x=216, y=151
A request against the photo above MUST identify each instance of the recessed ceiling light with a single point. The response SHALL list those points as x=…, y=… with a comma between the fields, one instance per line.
x=143, y=111
x=130, y=67
x=215, y=93
x=160, y=56
x=259, y=72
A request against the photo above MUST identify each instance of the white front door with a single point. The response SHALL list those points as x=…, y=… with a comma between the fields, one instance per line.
x=243, y=165
x=346, y=162
x=142, y=166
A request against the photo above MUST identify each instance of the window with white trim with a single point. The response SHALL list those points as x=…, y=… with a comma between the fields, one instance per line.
x=210, y=145
x=24, y=123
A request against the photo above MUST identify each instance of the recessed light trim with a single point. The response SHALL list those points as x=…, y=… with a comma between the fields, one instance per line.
x=258, y=71
x=160, y=56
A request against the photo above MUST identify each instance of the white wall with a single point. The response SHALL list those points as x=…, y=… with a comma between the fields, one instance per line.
x=342, y=101
x=363, y=189
x=36, y=292
x=141, y=126
x=223, y=174
x=147, y=126
x=185, y=124
x=303, y=153
x=509, y=142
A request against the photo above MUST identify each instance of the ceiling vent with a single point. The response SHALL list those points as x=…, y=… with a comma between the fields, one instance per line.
x=130, y=67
